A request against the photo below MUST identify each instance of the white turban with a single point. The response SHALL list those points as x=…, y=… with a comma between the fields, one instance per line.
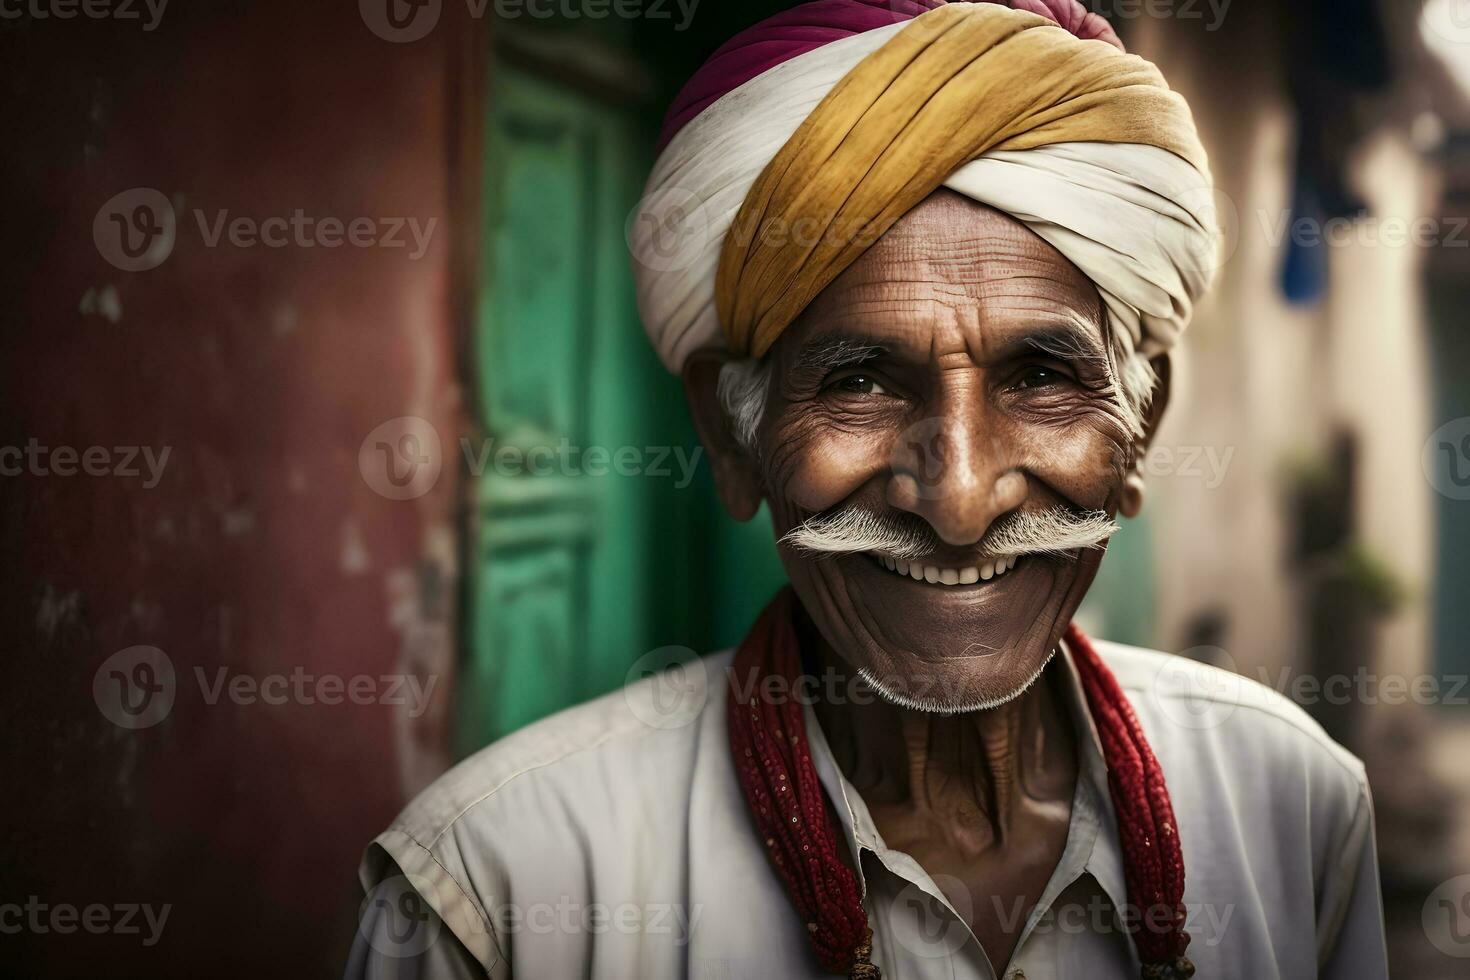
x=1137, y=219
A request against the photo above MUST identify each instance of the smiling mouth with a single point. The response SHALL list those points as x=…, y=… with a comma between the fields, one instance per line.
x=943, y=575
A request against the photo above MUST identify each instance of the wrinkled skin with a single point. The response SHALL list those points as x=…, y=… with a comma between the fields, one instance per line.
x=967, y=405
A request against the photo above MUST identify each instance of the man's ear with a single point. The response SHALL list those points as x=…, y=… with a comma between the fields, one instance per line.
x=736, y=477
x=1131, y=504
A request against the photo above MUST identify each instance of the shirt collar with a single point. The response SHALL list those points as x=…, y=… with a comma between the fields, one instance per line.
x=1092, y=836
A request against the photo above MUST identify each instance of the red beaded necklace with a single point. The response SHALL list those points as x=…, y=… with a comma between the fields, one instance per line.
x=774, y=765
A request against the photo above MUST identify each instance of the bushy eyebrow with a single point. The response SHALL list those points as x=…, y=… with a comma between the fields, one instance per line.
x=1070, y=342
x=837, y=350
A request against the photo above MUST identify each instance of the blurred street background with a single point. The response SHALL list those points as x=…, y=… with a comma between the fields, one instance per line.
x=331, y=448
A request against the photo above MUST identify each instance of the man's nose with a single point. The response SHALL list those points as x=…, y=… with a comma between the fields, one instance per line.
x=956, y=475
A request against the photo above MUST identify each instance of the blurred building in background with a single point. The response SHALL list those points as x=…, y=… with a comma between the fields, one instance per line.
x=453, y=467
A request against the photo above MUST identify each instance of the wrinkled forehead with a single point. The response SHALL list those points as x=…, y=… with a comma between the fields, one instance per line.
x=951, y=274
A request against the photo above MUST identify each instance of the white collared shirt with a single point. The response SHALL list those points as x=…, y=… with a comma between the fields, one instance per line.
x=612, y=841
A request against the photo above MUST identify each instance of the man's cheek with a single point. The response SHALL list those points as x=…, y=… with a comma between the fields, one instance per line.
x=819, y=471
x=1086, y=463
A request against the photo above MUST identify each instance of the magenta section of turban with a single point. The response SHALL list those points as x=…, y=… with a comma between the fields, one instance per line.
x=801, y=29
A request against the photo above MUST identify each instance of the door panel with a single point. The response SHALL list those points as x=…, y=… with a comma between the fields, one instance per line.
x=536, y=520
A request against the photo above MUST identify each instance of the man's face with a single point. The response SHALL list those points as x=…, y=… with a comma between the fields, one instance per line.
x=954, y=376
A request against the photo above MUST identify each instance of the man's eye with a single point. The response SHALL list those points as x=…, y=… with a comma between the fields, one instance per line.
x=859, y=384
x=1039, y=376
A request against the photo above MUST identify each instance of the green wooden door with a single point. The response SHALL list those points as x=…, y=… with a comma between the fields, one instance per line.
x=562, y=584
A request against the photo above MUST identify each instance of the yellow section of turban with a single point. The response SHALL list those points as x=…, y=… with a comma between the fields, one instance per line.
x=957, y=81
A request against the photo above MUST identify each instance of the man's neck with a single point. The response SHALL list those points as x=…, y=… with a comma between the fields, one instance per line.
x=976, y=774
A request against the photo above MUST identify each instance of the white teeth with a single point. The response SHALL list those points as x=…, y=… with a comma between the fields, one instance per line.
x=935, y=575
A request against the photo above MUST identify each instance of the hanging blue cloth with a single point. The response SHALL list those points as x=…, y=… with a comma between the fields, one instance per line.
x=1304, y=267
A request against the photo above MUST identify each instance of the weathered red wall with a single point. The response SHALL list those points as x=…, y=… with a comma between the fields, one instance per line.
x=262, y=548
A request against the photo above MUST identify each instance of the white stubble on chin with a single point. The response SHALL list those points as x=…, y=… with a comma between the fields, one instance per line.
x=943, y=700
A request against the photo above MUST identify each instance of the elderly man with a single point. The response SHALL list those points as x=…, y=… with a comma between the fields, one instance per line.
x=919, y=265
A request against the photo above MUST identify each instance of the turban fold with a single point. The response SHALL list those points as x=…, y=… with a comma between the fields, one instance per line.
x=840, y=116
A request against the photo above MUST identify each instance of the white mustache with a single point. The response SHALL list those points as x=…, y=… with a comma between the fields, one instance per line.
x=1055, y=530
